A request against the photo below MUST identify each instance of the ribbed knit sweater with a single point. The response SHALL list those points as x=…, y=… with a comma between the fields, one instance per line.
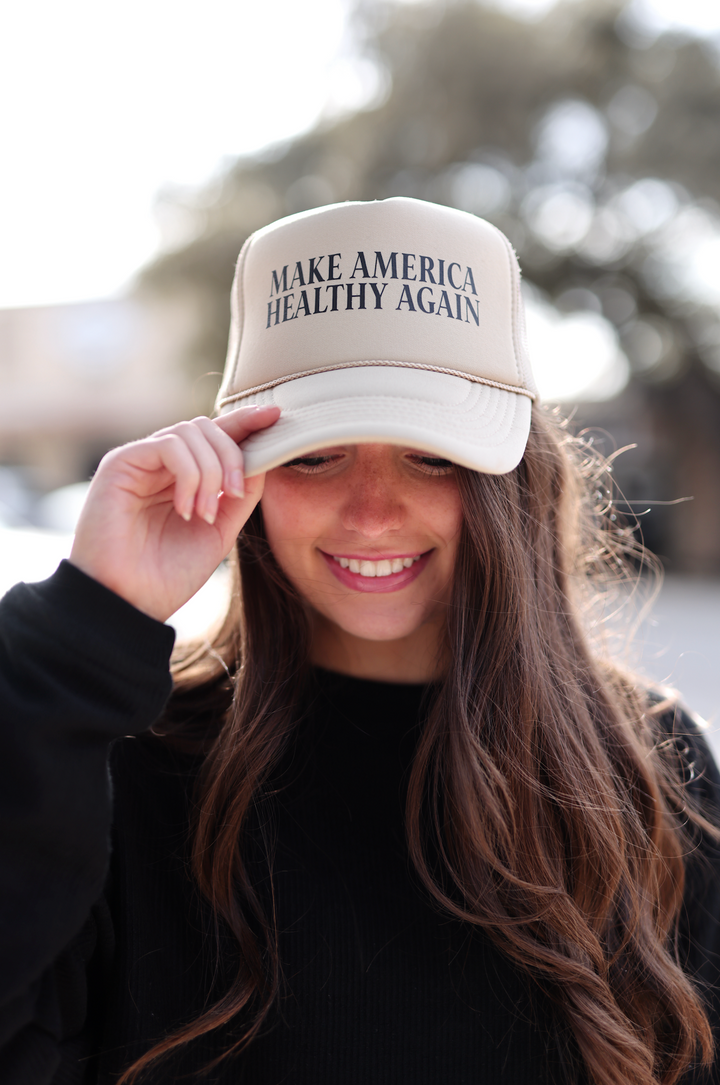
x=378, y=985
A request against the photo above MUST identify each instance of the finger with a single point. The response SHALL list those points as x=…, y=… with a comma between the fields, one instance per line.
x=209, y=465
x=243, y=421
x=175, y=455
x=229, y=454
x=224, y=468
x=233, y=512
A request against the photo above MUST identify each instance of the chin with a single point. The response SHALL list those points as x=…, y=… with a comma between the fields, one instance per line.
x=381, y=626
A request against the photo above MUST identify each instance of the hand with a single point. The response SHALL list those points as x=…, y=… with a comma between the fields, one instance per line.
x=155, y=524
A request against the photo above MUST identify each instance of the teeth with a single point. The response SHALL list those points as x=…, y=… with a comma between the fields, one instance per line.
x=376, y=568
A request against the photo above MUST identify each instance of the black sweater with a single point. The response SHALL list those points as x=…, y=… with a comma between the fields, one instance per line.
x=378, y=986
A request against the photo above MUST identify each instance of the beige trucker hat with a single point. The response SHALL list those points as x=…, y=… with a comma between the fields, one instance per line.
x=396, y=321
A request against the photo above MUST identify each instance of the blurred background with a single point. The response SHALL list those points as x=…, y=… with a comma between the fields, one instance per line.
x=141, y=143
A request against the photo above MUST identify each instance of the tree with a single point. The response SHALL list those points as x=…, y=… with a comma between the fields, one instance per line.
x=592, y=147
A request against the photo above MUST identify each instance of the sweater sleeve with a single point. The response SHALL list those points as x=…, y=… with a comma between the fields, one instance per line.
x=79, y=667
x=699, y=924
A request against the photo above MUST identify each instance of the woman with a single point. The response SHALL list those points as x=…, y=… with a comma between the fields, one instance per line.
x=396, y=822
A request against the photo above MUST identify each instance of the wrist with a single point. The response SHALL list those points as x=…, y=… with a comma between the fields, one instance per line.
x=104, y=578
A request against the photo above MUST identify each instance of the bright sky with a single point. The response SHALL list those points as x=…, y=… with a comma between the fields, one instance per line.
x=102, y=104
x=701, y=16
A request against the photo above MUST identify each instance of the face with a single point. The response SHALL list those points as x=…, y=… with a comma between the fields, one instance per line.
x=368, y=534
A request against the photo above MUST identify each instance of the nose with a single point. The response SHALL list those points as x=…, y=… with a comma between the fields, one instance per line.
x=374, y=505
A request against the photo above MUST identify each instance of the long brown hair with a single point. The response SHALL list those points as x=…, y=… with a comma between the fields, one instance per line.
x=541, y=805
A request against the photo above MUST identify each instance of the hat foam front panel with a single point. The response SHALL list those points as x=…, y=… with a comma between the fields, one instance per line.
x=377, y=281
x=395, y=320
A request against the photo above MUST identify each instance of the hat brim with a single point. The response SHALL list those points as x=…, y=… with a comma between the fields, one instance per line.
x=475, y=425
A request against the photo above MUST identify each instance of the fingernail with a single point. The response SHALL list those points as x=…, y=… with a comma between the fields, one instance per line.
x=237, y=484
x=209, y=517
x=187, y=511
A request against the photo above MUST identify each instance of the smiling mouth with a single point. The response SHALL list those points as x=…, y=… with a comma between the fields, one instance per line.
x=385, y=567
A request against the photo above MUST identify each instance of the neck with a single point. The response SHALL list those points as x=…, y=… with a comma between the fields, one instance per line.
x=412, y=659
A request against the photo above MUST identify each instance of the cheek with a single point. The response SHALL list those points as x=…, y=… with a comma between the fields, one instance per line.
x=293, y=520
x=448, y=516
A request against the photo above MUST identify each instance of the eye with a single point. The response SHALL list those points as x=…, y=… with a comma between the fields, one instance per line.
x=431, y=465
x=312, y=465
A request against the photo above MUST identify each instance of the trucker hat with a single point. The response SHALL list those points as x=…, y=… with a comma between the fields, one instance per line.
x=395, y=321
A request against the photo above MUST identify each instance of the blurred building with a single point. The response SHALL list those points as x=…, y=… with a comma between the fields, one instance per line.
x=76, y=380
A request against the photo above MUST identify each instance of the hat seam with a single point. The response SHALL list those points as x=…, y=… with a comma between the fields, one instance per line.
x=417, y=411
x=411, y=408
x=514, y=288
x=487, y=440
x=242, y=259
x=487, y=381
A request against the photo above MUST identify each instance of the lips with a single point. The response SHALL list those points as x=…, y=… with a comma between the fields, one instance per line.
x=366, y=575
